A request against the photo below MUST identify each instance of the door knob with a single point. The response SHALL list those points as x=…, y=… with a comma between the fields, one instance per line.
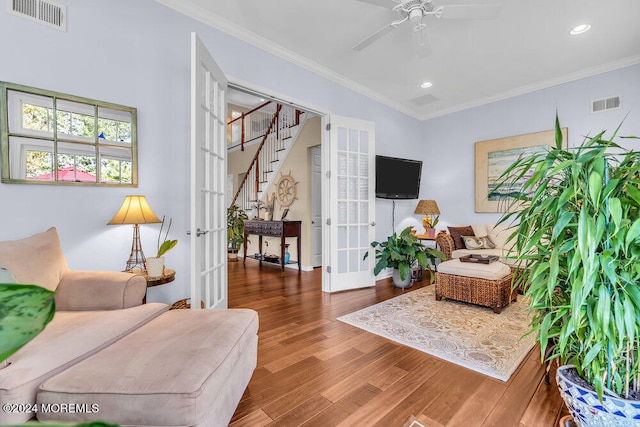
x=198, y=232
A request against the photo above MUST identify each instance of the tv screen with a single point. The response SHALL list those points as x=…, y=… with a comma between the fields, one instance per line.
x=397, y=178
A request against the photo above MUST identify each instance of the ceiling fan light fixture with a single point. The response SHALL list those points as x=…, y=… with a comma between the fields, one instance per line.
x=426, y=85
x=580, y=29
x=415, y=15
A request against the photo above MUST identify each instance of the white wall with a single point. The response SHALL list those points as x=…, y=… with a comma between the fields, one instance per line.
x=448, y=142
x=136, y=53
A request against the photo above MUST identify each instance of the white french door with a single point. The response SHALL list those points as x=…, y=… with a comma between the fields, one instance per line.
x=208, y=180
x=351, y=204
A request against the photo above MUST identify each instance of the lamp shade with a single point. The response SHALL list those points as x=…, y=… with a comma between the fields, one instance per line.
x=134, y=210
x=427, y=207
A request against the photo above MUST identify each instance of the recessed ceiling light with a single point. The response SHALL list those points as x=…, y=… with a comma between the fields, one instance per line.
x=582, y=28
x=426, y=85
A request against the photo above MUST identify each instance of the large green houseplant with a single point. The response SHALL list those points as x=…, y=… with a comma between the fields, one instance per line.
x=578, y=233
x=401, y=252
x=235, y=230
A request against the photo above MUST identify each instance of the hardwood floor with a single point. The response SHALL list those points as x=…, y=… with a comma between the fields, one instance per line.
x=316, y=371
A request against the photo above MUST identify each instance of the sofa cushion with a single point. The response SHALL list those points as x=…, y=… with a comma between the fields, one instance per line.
x=493, y=271
x=67, y=339
x=167, y=373
x=6, y=276
x=499, y=234
x=458, y=232
x=481, y=230
x=36, y=260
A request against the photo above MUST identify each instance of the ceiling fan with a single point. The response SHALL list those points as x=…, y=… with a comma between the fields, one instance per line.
x=415, y=11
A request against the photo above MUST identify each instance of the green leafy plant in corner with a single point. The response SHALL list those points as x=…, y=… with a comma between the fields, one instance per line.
x=579, y=236
x=402, y=252
x=235, y=227
x=167, y=244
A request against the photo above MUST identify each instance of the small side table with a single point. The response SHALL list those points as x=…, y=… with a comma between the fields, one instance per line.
x=422, y=237
x=167, y=277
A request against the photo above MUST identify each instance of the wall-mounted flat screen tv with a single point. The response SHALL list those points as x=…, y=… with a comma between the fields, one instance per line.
x=397, y=178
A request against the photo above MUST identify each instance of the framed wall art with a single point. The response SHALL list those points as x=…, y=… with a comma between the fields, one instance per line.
x=494, y=156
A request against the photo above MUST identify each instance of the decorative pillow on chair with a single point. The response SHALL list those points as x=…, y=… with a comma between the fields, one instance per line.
x=458, y=232
x=6, y=276
x=473, y=242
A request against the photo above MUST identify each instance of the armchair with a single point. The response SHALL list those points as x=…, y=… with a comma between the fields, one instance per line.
x=39, y=260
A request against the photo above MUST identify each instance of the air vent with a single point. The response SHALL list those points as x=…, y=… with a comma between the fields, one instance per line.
x=611, y=103
x=424, y=100
x=43, y=12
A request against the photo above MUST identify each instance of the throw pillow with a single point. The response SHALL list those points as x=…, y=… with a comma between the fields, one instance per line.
x=6, y=276
x=458, y=232
x=473, y=242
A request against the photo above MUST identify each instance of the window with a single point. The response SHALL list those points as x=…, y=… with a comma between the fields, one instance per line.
x=49, y=137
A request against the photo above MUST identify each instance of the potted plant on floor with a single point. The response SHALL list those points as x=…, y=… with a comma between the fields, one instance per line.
x=402, y=252
x=235, y=231
x=579, y=236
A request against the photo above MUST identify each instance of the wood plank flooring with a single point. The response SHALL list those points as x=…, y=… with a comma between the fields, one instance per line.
x=316, y=371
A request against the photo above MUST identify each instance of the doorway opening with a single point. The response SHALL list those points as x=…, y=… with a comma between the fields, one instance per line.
x=291, y=183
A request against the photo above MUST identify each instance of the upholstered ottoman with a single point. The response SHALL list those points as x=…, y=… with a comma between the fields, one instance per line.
x=186, y=368
x=488, y=285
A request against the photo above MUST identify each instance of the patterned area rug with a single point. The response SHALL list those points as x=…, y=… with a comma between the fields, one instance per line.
x=468, y=335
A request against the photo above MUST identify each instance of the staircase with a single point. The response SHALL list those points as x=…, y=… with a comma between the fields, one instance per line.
x=275, y=128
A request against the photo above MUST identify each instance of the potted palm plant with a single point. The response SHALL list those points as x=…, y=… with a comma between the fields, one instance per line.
x=578, y=234
x=235, y=230
x=402, y=252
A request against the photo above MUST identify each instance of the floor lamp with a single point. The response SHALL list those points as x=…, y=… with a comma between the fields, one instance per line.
x=135, y=210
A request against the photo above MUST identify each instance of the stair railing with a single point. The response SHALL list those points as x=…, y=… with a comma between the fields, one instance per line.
x=264, y=162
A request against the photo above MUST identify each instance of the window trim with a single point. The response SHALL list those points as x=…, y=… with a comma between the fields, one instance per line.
x=98, y=145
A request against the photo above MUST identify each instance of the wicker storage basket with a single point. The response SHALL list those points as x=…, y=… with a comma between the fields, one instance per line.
x=488, y=293
x=183, y=303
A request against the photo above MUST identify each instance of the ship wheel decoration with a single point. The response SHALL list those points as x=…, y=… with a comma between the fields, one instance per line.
x=286, y=190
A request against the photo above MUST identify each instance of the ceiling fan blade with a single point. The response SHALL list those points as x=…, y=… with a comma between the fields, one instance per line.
x=470, y=11
x=382, y=3
x=373, y=37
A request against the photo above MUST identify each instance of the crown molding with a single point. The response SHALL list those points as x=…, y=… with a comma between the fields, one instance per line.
x=189, y=9
x=522, y=90
x=196, y=12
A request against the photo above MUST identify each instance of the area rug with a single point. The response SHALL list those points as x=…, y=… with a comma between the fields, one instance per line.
x=468, y=335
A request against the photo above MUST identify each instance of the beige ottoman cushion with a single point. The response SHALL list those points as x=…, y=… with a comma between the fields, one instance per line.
x=67, y=339
x=174, y=371
x=494, y=271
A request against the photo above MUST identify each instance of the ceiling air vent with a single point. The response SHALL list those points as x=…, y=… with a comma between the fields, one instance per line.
x=43, y=12
x=611, y=103
x=424, y=100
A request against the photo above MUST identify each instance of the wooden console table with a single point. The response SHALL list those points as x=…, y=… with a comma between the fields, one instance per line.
x=280, y=229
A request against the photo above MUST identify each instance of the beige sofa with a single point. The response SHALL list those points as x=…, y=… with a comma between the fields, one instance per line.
x=106, y=356
x=497, y=234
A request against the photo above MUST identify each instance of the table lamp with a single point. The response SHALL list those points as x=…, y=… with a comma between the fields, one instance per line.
x=428, y=208
x=135, y=210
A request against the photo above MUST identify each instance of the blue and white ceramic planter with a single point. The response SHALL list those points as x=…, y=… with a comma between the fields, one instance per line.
x=587, y=410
